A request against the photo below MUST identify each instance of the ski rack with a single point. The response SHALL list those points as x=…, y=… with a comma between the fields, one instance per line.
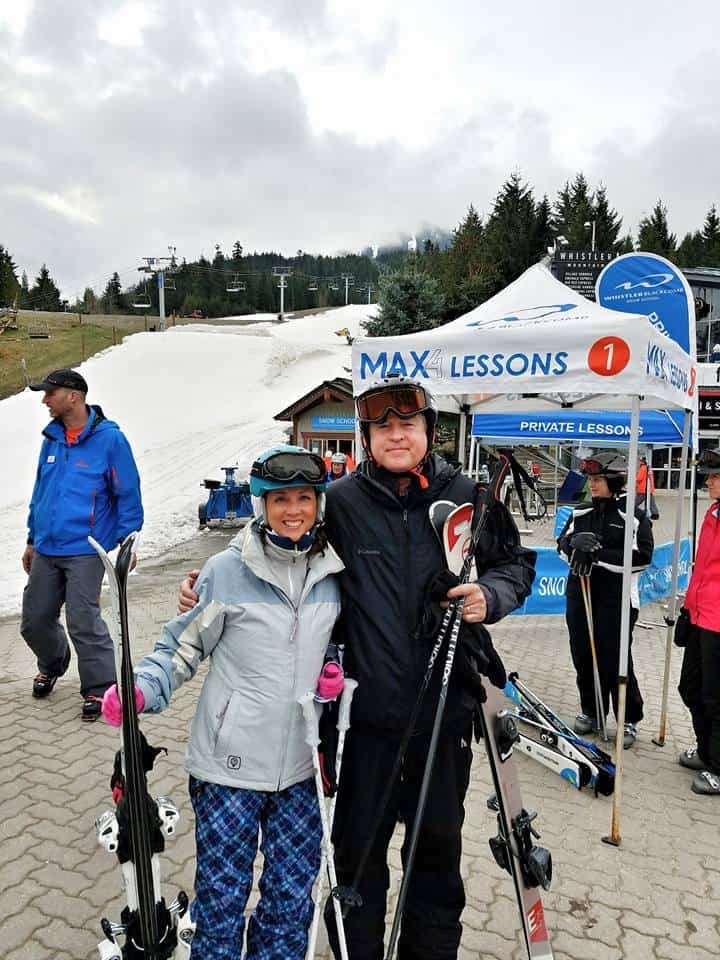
x=556, y=745
x=137, y=829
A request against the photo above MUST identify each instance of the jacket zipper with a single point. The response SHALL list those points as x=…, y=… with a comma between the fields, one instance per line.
x=92, y=509
x=288, y=723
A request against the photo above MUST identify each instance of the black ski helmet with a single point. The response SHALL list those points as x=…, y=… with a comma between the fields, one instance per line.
x=403, y=396
x=610, y=464
x=709, y=462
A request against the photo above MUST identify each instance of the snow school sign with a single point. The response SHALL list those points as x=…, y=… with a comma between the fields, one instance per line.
x=535, y=336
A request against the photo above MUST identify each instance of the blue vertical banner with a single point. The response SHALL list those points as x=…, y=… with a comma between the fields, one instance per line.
x=648, y=284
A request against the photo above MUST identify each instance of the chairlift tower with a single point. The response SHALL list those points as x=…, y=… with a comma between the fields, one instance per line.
x=348, y=279
x=159, y=266
x=282, y=273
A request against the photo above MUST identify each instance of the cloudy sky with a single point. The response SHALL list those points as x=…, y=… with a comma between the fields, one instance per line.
x=333, y=124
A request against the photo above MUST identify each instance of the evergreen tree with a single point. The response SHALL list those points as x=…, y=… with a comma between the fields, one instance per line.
x=607, y=221
x=44, y=295
x=582, y=212
x=691, y=252
x=89, y=302
x=711, y=238
x=626, y=245
x=544, y=225
x=654, y=234
x=24, y=300
x=511, y=241
x=410, y=300
x=237, y=252
x=112, y=298
x=9, y=286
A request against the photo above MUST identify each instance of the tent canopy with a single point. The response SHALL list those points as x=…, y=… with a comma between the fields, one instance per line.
x=539, y=341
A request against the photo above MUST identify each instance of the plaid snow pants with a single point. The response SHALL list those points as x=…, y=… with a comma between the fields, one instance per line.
x=228, y=820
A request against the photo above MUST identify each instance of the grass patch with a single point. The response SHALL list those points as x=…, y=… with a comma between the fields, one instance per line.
x=69, y=342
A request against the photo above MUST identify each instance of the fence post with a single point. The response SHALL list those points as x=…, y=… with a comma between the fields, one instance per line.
x=114, y=335
x=82, y=346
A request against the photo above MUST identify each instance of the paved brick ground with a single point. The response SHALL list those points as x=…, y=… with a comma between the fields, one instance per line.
x=657, y=896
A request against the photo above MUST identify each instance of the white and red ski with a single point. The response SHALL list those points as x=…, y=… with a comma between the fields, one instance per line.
x=514, y=849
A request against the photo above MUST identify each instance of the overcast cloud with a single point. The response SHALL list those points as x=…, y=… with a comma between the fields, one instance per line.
x=334, y=124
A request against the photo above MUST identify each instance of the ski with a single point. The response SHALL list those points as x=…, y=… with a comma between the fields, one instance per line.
x=136, y=830
x=555, y=732
x=577, y=772
x=530, y=866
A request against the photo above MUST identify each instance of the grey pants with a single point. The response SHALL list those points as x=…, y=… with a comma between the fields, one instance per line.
x=74, y=581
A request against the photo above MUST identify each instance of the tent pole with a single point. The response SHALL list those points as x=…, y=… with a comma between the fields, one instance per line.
x=659, y=740
x=614, y=836
x=693, y=511
x=462, y=433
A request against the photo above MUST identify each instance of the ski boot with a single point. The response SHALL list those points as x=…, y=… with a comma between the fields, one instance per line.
x=585, y=724
x=629, y=735
x=691, y=759
x=706, y=783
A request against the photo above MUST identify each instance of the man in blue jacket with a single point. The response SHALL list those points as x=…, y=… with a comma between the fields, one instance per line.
x=87, y=484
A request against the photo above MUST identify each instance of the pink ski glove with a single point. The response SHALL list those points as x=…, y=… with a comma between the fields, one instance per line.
x=330, y=682
x=112, y=707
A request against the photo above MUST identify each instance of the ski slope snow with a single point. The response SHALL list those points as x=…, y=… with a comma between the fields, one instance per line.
x=190, y=401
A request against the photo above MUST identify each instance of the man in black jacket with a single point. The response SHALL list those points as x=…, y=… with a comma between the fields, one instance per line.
x=377, y=520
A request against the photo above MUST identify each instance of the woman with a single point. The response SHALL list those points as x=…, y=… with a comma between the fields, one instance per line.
x=266, y=611
x=700, y=674
x=593, y=540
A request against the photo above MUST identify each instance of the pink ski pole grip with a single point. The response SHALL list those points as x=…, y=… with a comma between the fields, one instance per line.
x=331, y=681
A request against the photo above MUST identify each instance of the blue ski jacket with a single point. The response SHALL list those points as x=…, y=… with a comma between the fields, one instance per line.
x=91, y=488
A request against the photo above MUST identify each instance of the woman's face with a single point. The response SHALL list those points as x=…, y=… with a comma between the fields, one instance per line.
x=291, y=512
x=713, y=485
x=599, y=487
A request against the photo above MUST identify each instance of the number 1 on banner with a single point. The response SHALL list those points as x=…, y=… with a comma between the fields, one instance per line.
x=608, y=356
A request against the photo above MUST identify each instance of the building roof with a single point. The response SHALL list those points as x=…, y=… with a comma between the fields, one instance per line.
x=339, y=389
x=703, y=276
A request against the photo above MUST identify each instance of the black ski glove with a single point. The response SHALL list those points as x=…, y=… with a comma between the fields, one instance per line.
x=476, y=657
x=585, y=548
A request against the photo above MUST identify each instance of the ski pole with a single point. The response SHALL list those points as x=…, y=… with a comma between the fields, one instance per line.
x=354, y=898
x=427, y=774
x=599, y=711
x=312, y=738
x=455, y=609
x=343, y=726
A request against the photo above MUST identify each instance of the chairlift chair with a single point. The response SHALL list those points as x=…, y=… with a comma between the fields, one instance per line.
x=333, y=286
x=170, y=284
x=142, y=300
x=236, y=285
x=312, y=285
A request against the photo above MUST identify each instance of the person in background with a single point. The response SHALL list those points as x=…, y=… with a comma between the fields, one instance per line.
x=86, y=484
x=715, y=355
x=593, y=542
x=338, y=466
x=700, y=675
x=267, y=606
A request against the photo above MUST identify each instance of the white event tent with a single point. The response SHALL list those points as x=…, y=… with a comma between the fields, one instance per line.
x=539, y=345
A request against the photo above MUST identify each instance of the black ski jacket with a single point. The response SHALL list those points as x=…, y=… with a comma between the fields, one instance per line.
x=605, y=517
x=391, y=554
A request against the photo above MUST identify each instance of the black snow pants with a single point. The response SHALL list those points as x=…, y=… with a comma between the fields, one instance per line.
x=700, y=691
x=431, y=927
x=606, y=595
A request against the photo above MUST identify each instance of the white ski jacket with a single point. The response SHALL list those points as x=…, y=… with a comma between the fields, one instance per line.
x=265, y=653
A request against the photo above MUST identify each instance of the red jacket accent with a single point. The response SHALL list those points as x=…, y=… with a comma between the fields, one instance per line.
x=703, y=596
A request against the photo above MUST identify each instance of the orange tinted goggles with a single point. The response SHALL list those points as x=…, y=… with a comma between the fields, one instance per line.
x=405, y=401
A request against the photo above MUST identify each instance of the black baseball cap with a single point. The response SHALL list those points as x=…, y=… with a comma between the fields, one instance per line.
x=70, y=379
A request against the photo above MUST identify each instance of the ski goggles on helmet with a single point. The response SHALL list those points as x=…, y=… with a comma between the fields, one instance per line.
x=404, y=401
x=594, y=468
x=286, y=467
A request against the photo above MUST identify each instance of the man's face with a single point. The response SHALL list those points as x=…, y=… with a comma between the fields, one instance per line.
x=60, y=401
x=337, y=469
x=399, y=444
